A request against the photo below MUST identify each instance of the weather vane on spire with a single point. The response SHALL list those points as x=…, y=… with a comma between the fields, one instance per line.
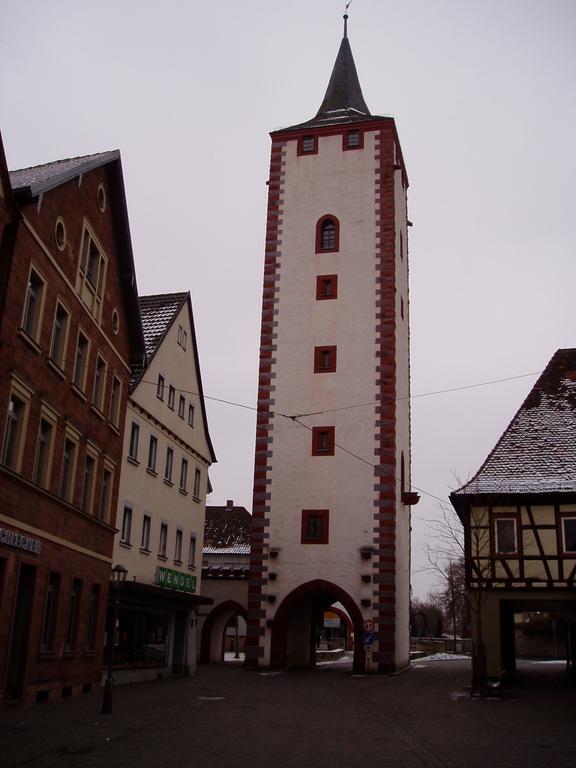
x=348, y=4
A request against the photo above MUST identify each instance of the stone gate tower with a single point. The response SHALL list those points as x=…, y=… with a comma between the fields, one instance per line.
x=332, y=494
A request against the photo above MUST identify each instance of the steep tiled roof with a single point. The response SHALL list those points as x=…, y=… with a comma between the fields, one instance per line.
x=537, y=452
x=227, y=531
x=157, y=314
x=40, y=178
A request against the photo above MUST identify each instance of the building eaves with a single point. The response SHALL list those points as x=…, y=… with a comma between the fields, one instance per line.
x=41, y=178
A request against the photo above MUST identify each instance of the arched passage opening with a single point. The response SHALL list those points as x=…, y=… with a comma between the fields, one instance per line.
x=298, y=621
x=214, y=631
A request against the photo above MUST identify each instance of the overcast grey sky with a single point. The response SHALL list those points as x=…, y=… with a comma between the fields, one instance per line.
x=483, y=94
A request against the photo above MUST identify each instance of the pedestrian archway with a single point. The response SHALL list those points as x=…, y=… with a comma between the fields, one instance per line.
x=214, y=631
x=297, y=623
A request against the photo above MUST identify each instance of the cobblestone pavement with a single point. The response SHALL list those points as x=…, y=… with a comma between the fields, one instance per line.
x=224, y=717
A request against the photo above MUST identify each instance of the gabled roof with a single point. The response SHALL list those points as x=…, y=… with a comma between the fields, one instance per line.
x=29, y=183
x=158, y=313
x=41, y=178
x=343, y=101
x=227, y=530
x=537, y=452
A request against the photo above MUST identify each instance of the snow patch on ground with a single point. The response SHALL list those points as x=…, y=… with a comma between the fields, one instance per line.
x=444, y=657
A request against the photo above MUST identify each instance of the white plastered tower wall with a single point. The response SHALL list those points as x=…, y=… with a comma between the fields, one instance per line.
x=367, y=554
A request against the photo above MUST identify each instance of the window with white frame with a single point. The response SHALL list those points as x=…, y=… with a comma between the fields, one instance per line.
x=192, y=551
x=99, y=384
x=126, y=533
x=197, y=480
x=152, y=453
x=134, y=436
x=115, y=399
x=505, y=531
x=163, y=540
x=44, y=449
x=178, y=546
x=15, y=429
x=183, y=474
x=169, y=463
x=68, y=468
x=91, y=279
x=81, y=361
x=88, y=483
x=59, y=336
x=105, y=493
x=145, y=541
x=34, y=304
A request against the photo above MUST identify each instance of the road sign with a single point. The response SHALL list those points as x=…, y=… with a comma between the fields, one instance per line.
x=368, y=638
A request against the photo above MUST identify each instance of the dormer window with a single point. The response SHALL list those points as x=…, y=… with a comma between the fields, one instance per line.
x=308, y=145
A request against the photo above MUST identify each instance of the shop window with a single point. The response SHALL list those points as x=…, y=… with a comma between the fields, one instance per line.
x=93, y=611
x=323, y=441
x=34, y=304
x=324, y=359
x=327, y=234
x=50, y=611
x=73, y=613
x=326, y=287
x=59, y=336
x=314, y=526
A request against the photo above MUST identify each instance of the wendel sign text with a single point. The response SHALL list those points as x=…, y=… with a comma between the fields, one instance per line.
x=166, y=577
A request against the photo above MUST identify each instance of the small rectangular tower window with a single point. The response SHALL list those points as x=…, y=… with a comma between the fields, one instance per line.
x=326, y=287
x=324, y=359
x=353, y=139
x=308, y=145
x=323, y=441
x=314, y=526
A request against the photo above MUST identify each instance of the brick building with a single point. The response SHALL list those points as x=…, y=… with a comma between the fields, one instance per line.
x=332, y=462
x=70, y=331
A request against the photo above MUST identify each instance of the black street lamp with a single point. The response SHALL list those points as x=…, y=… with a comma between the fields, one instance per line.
x=118, y=577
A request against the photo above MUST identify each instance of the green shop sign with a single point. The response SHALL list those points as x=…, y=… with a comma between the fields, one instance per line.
x=166, y=577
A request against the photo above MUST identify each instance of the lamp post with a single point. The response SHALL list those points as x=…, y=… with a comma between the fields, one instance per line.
x=118, y=577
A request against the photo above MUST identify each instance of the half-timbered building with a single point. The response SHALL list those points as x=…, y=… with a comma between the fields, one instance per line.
x=519, y=518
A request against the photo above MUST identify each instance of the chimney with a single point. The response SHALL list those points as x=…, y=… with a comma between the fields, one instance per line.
x=229, y=505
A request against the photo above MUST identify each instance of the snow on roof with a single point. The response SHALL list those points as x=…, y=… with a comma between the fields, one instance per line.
x=537, y=452
x=227, y=530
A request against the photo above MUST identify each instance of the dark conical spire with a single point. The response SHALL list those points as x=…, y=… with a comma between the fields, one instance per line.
x=344, y=91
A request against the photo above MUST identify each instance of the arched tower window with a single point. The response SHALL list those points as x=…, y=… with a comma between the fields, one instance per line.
x=327, y=234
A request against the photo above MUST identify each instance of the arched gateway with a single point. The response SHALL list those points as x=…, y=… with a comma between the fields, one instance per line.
x=214, y=628
x=297, y=621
